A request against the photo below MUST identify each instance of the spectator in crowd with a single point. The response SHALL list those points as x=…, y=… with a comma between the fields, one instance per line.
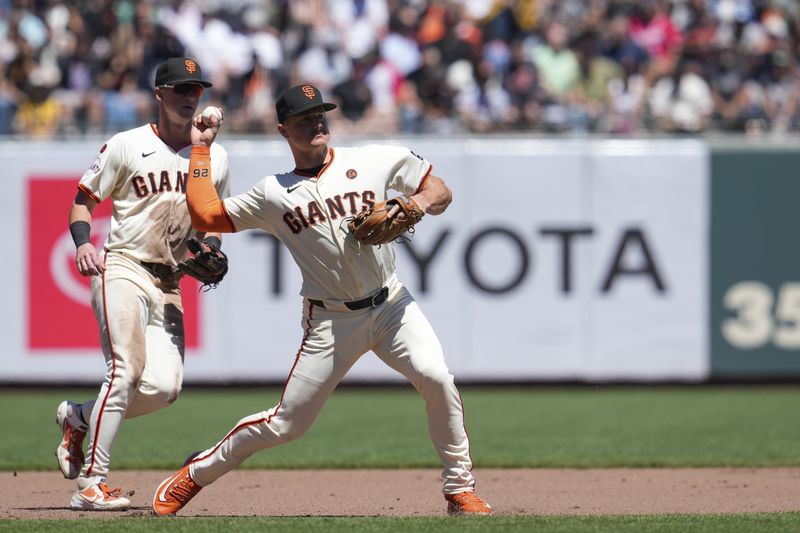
x=39, y=115
x=430, y=66
x=558, y=73
x=652, y=28
x=123, y=103
x=482, y=102
x=362, y=21
x=619, y=46
x=353, y=94
x=727, y=89
x=681, y=102
x=324, y=64
x=9, y=96
x=558, y=67
x=591, y=93
x=626, y=99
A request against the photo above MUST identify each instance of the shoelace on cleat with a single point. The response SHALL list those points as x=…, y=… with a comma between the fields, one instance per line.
x=183, y=490
x=109, y=493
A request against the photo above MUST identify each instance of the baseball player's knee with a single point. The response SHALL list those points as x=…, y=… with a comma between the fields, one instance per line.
x=291, y=435
x=150, y=400
x=435, y=380
x=437, y=376
x=165, y=385
x=159, y=393
x=289, y=428
x=167, y=394
x=173, y=396
x=293, y=430
x=125, y=383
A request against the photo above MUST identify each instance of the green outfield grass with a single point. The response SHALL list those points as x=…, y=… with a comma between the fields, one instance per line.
x=732, y=523
x=509, y=427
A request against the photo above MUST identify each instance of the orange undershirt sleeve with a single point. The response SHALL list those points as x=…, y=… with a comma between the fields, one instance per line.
x=205, y=208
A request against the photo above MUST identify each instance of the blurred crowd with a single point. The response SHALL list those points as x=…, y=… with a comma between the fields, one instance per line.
x=617, y=67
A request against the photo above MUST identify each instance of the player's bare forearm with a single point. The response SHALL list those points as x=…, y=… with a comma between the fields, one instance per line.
x=205, y=208
x=87, y=260
x=434, y=197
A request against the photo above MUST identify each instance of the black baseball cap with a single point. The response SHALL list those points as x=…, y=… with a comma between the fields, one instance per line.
x=177, y=70
x=300, y=98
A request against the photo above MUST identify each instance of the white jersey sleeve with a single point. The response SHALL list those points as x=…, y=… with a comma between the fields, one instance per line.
x=106, y=171
x=248, y=210
x=408, y=170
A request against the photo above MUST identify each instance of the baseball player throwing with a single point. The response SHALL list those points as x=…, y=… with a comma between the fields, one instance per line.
x=353, y=301
x=135, y=293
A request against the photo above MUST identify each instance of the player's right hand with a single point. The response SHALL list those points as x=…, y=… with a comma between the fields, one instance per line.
x=88, y=261
x=204, y=134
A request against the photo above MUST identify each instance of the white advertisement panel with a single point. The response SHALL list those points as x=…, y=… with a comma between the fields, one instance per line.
x=558, y=260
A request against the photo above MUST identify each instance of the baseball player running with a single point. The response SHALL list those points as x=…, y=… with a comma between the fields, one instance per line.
x=353, y=301
x=135, y=293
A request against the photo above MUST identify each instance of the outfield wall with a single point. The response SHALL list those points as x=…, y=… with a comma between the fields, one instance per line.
x=558, y=260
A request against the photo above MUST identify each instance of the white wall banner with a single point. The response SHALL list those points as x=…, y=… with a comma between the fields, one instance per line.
x=558, y=260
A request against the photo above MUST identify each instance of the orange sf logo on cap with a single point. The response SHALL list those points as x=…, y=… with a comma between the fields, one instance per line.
x=308, y=90
x=191, y=66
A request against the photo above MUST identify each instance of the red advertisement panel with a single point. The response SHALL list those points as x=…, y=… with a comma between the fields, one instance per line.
x=59, y=310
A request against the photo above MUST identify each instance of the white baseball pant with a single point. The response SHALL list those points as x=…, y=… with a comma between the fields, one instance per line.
x=402, y=337
x=142, y=337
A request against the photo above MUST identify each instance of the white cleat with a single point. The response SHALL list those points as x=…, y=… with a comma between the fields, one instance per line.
x=69, y=452
x=99, y=497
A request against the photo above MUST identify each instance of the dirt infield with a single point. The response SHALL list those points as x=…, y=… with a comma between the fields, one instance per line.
x=417, y=492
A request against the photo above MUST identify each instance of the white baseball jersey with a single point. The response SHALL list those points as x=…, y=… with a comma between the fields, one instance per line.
x=309, y=216
x=140, y=314
x=146, y=180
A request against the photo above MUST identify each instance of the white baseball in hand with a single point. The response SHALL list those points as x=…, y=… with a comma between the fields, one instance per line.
x=211, y=111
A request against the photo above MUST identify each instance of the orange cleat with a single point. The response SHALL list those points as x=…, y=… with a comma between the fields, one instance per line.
x=175, y=492
x=466, y=503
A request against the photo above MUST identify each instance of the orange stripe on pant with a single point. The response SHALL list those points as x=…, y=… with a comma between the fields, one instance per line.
x=266, y=420
x=89, y=470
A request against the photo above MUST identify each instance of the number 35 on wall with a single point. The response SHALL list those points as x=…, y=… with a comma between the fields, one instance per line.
x=759, y=319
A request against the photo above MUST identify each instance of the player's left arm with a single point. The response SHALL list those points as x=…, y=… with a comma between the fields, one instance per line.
x=434, y=196
x=206, y=209
x=87, y=259
x=222, y=186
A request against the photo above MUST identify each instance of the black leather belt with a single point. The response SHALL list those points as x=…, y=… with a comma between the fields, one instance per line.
x=162, y=271
x=370, y=301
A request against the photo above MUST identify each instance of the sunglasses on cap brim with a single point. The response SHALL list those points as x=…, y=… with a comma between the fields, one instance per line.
x=185, y=88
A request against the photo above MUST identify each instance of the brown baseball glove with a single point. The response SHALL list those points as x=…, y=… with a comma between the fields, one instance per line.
x=374, y=227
